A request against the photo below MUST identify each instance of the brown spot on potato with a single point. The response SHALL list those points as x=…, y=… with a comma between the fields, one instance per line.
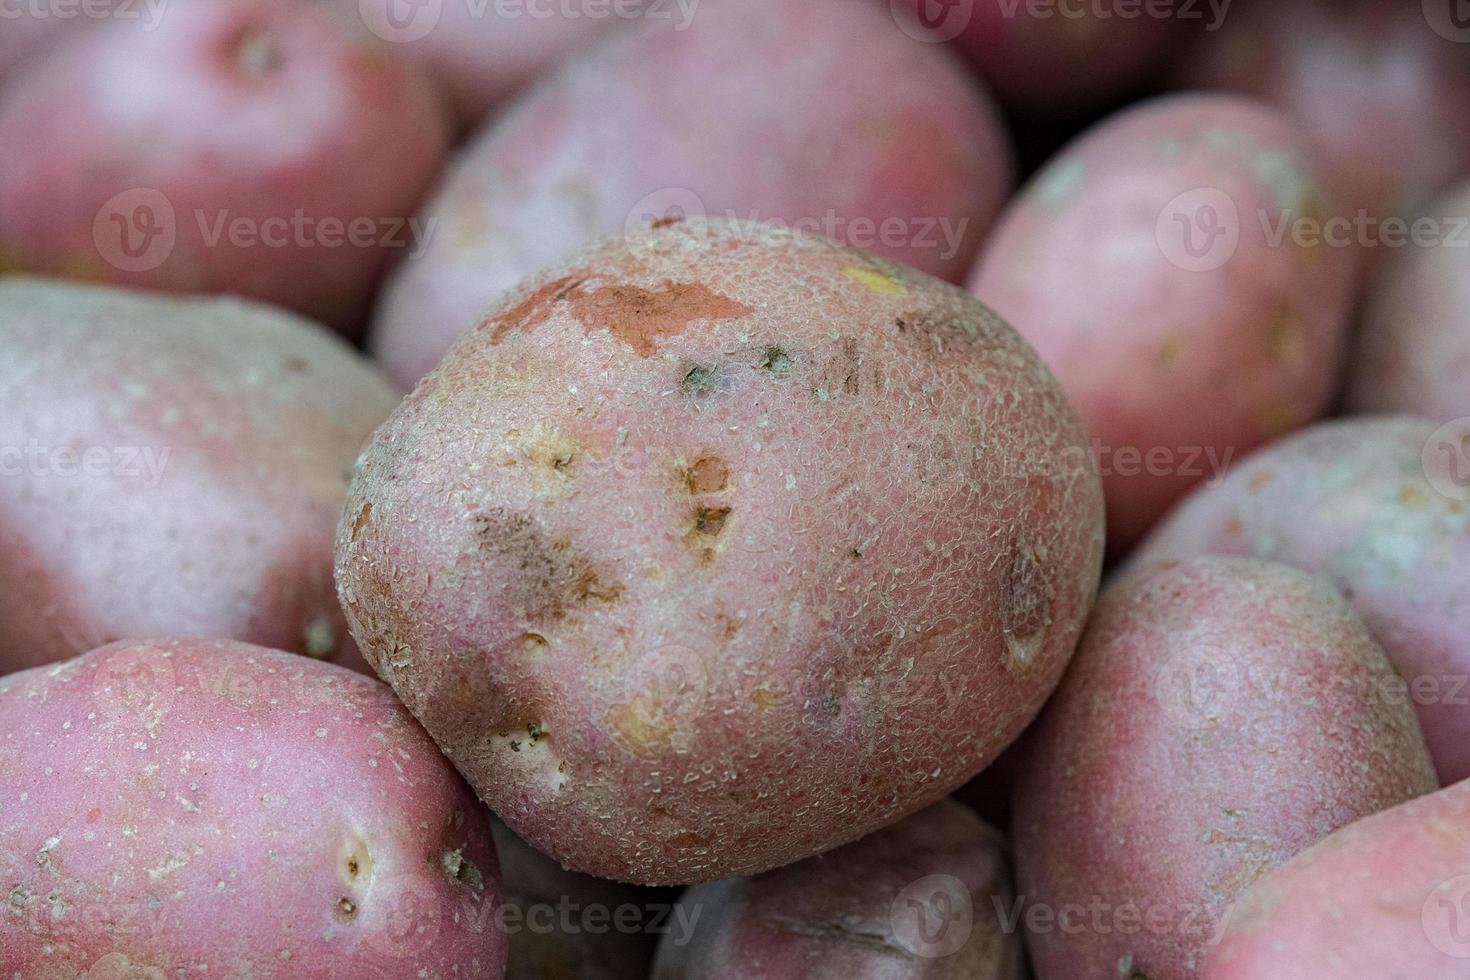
x=667, y=220
x=639, y=317
x=548, y=577
x=777, y=361
x=710, y=521
x=689, y=839
x=461, y=870
x=762, y=698
x=640, y=725
x=1412, y=495
x=707, y=474
x=1259, y=480
x=532, y=311
x=295, y=365
x=361, y=520
x=1026, y=609
x=699, y=381
x=345, y=911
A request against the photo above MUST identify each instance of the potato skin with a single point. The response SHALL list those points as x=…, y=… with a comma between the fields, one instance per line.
x=846, y=915
x=226, y=431
x=213, y=807
x=243, y=116
x=729, y=117
x=1412, y=351
x=1382, y=897
x=1185, y=365
x=1220, y=716
x=1349, y=500
x=711, y=550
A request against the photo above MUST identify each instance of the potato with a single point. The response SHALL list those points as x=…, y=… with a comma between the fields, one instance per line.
x=258, y=147
x=921, y=900
x=1384, y=897
x=1221, y=715
x=1141, y=264
x=718, y=546
x=1041, y=55
x=209, y=808
x=1361, y=502
x=1378, y=88
x=1412, y=353
x=171, y=465
x=881, y=142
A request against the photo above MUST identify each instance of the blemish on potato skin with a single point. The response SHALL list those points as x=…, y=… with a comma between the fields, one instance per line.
x=708, y=474
x=699, y=381
x=533, y=310
x=1026, y=608
x=777, y=361
x=361, y=520
x=640, y=725
x=875, y=280
x=549, y=577
x=710, y=521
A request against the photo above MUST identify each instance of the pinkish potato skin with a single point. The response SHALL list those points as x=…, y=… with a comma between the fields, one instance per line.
x=1349, y=501
x=1221, y=715
x=841, y=916
x=720, y=546
x=1179, y=367
x=1383, y=897
x=221, y=436
x=1412, y=352
x=1379, y=95
x=731, y=117
x=318, y=140
x=210, y=808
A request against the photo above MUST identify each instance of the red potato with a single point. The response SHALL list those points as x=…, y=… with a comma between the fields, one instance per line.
x=1412, y=352
x=258, y=147
x=882, y=141
x=921, y=900
x=208, y=808
x=1141, y=264
x=1388, y=896
x=1373, y=505
x=1054, y=55
x=1220, y=716
x=171, y=466
x=716, y=547
x=1378, y=87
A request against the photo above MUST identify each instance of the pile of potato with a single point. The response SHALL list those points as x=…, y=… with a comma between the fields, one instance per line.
x=723, y=489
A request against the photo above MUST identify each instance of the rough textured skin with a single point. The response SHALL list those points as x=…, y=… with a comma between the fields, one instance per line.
x=268, y=118
x=1183, y=367
x=1377, y=92
x=206, y=808
x=222, y=436
x=1057, y=63
x=1382, y=898
x=706, y=553
x=1412, y=352
x=537, y=889
x=741, y=116
x=845, y=915
x=1221, y=715
x=1349, y=501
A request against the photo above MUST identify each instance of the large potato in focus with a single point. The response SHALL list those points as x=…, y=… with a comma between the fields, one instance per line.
x=171, y=466
x=719, y=546
x=1221, y=715
x=1378, y=506
x=880, y=141
x=208, y=808
x=1388, y=896
x=261, y=147
x=921, y=900
x=1141, y=264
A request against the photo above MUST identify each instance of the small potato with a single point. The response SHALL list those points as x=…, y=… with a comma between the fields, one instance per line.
x=171, y=466
x=1221, y=715
x=210, y=808
x=1388, y=896
x=1363, y=503
x=881, y=141
x=1412, y=353
x=719, y=546
x=1142, y=264
x=921, y=900
x=260, y=147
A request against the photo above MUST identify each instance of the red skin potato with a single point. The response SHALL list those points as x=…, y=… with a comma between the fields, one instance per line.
x=846, y=915
x=1381, y=899
x=731, y=117
x=252, y=111
x=1349, y=500
x=228, y=431
x=214, y=808
x=1220, y=716
x=1379, y=94
x=1195, y=365
x=691, y=405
